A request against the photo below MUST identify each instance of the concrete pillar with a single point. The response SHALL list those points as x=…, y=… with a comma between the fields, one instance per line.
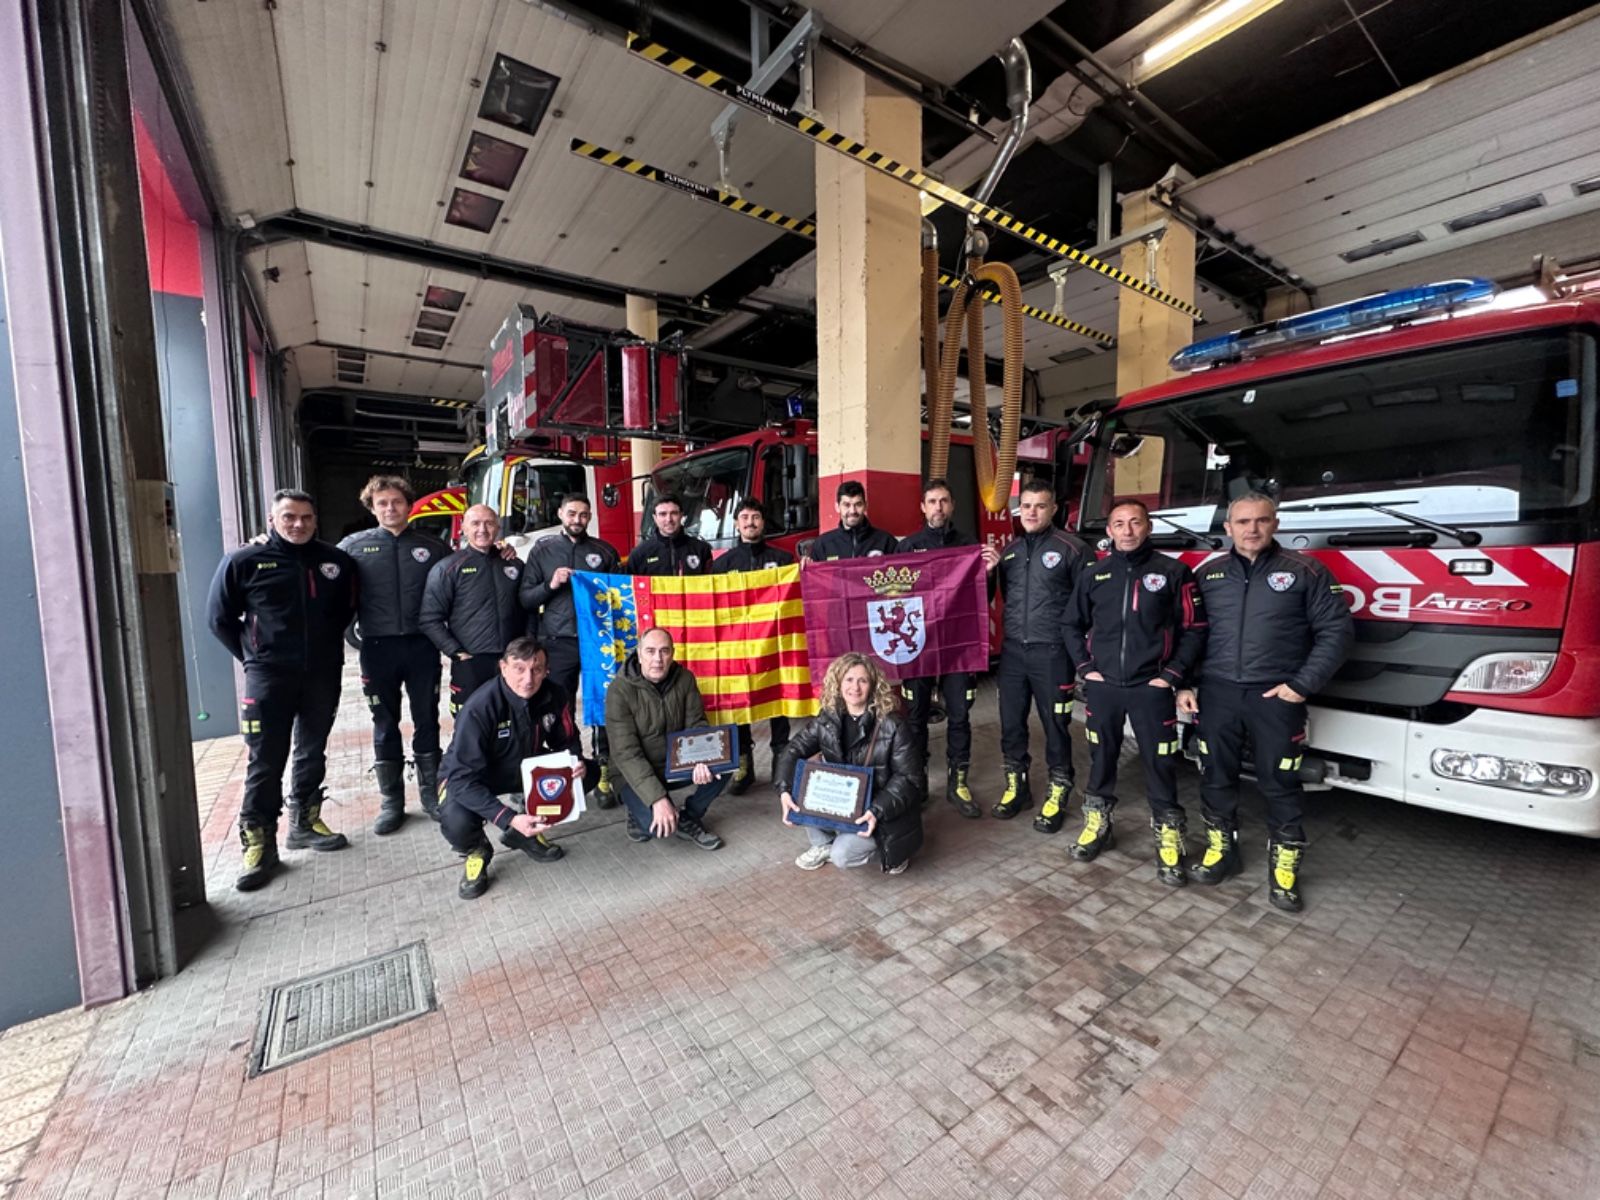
x=643, y=453
x=1149, y=332
x=869, y=372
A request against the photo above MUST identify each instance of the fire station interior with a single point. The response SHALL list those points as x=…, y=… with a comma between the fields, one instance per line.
x=1345, y=253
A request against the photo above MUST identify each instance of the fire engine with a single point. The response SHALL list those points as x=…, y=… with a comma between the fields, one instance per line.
x=1436, y=449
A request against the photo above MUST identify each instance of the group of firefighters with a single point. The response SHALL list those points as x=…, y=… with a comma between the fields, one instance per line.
x=1136, y=635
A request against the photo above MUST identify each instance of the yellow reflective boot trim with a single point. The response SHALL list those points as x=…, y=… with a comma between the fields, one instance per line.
x=1013, y=789
x=1093, y=822
x=1216, y=847
x=255, y=848
x=477, y=863
x=1054, y=801
x=1170, y=839
x=1285, y=866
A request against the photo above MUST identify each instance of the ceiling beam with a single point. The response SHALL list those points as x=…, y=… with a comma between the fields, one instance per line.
x=298, y=226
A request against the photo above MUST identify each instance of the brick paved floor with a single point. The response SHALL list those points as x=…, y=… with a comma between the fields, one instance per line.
x=998, y=1022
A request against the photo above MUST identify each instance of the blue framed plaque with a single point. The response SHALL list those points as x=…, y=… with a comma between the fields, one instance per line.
x=715, y=746
x=830, y=795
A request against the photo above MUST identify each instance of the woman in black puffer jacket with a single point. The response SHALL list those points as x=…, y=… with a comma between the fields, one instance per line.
x=859, y=724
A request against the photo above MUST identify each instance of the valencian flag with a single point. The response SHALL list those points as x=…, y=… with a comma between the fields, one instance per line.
x=742, y=634
x=917, y=614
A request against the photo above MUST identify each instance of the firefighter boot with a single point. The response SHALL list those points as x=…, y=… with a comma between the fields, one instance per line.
x=959, y=794
x=743, y=774
x=392, y=785
x=1283, y=874
x=428, y=783
x=605, y=792
x=308, y=831
x=538, y=847
x=1016, y=797
x=1097, y=834
x=1169, y=848
x=1054, y=811
x=475, y=875
x=777, y=752
x=260, y=856
x=1221, y=857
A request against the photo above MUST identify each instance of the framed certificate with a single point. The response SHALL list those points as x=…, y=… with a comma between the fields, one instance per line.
x=831, y=795
x=716, y=747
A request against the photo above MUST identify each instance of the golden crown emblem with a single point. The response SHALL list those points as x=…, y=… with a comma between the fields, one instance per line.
x=896, y=581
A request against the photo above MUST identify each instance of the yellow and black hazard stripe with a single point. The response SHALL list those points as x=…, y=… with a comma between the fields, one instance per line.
x=691, y=187
x=807, y=229
x=911, y=176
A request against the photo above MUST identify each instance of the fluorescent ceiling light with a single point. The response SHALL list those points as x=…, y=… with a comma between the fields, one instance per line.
x=1211, y=25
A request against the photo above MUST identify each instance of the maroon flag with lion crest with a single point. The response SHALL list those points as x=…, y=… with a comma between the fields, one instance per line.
x=913, y=614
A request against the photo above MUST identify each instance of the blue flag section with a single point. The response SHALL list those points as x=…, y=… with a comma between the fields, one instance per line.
x=608, y=630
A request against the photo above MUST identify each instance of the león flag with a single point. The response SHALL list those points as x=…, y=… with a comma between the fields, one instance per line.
x=916, y=614
x=742, y=634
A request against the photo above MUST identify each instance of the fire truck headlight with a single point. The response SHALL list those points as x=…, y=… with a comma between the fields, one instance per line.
x=1523, y=775
x=1505, y=674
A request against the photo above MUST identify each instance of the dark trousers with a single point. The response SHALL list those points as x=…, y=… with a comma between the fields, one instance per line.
x=279, y=707
x=566, y=668
x=1232, y=713
x=387, y=665
x=777, y=735
x=694, y=807
x=467, y=675
x=461, y=827
x=1042, y=675
x=957, y=690
x=1153, y=712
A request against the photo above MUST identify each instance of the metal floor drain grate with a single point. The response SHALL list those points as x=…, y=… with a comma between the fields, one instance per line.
x=317, y=1013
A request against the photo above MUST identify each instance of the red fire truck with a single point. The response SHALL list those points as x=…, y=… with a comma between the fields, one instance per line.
x=1436, y=448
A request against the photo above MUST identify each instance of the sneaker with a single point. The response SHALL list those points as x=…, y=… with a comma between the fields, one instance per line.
x=1221, y=857
x=1054, y=812
x=1283, y=874
x=743, y=775
x=1097, y=834
x=813, y=857
x=959, y=794
x=538, y=847
x=1016, y=797
x=691, y=830
x=1169, y=849
x=475, y=875
x=260, y=857
x=899, y=868
x=605, y=792
x=308, y=831
x=635, y=834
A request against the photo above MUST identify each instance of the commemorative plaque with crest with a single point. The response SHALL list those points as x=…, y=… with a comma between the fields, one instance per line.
x=716, y=747
x=830, y=795
x=548, y=789
x=895, y=618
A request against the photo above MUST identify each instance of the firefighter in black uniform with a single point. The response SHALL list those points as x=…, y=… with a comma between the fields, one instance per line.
x=854, y=537
x=670, y=550
x=281, y=607
x=470, y=608
x=1037, y=571
x=957, y=688
x=547, y=596
x=1279, y=629
x=522, y=713
x=1136, y=630
x=754, y=553
x=392, y=564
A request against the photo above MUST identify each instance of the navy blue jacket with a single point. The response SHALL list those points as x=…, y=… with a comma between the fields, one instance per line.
x=393, y=569
x=275, y=604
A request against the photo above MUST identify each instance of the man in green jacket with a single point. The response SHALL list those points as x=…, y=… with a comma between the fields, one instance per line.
x=651, y=697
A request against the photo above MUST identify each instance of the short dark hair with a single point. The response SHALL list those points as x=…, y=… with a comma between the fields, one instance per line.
x=522, y=649
x=387, y=483
x=1036, y=484
x=293, y=494
x=750, y=504
x=937, y=484
x=850, y=487
x=574, y=498
x=666, y=498
x=1129, y=503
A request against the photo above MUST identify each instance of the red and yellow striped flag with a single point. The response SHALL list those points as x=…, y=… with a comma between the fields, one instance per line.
x=742, y=634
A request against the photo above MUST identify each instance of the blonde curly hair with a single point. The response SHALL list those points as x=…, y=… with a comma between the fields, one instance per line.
x=884, y=698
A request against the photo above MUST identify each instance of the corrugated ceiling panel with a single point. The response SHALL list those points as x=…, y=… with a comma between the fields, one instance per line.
x=941, y=38
x=228, y=55
x=289, y=305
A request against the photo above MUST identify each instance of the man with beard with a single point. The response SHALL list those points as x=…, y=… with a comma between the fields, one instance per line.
x=854, y=537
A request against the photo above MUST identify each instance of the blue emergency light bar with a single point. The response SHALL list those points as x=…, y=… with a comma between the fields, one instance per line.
x=1386, y=308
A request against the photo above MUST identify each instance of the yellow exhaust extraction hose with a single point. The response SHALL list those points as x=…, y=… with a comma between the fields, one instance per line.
x=994, y=473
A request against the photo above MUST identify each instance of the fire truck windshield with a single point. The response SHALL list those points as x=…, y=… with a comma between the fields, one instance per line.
x=709, y=486
x=525, y=492
x=1495, y=432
